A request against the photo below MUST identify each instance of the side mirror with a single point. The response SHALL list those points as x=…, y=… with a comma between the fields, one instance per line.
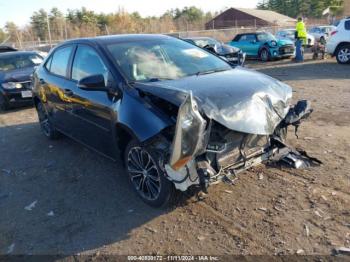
x=93, y=83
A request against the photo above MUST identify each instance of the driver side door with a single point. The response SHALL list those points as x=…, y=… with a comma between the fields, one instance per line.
x=92, y=110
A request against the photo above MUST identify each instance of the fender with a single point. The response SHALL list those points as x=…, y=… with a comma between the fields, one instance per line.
x=142, y=118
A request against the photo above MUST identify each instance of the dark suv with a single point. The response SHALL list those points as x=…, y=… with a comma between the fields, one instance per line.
x=178, y=115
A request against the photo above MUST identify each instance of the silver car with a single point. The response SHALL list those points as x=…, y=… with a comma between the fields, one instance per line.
x=290, y=34
x=321, y=32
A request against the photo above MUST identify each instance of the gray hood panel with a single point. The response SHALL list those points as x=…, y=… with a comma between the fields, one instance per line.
x=240, y=99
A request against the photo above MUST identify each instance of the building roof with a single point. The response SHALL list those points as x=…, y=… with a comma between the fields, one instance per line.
x=269, y=16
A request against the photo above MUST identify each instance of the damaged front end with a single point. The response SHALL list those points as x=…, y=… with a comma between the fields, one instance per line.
x=204, y=151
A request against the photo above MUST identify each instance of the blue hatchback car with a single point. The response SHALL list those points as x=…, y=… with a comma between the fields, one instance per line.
x=263, y=46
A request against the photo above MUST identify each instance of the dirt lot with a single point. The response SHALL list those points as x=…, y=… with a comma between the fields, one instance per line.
x=60, y=198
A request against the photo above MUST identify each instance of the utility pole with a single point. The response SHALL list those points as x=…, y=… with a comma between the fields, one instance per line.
x=65, y=28
x=107, y=31
x=48, y=29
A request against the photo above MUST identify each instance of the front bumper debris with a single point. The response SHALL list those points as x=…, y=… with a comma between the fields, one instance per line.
x=209, y=152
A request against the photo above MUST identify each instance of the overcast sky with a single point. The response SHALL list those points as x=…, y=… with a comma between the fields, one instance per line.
x=19, y=11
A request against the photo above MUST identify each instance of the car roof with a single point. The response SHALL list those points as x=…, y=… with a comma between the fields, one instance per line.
x=117, y=39
x=198, y=38
x=287, y=29
x=16, y=53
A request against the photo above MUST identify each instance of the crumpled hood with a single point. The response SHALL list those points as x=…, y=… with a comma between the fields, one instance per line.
x=240, y=99
x=226, y=49
x=17, y=75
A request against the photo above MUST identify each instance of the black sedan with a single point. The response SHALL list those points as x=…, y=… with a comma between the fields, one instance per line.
x=16, y=69
x=178, y=115
x=5, y=48
x=232, y=54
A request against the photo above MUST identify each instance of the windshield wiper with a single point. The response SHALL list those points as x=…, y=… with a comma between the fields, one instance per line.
x=156, y=79
x=210, y=71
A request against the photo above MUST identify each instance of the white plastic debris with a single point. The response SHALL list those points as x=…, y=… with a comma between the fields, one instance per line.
x=318, y=214
x=10, y=248
x=300, y=251
x=31, y=206
x=50, y=214
x=261, y=176
x=342, y=250
x=307, y=231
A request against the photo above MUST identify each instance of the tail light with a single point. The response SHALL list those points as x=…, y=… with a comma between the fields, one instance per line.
x=333, y=33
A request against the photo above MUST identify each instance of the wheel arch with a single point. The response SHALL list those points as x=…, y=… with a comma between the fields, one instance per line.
x=137, y=120
x=339, y=46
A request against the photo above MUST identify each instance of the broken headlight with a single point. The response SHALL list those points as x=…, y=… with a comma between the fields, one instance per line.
x=189, y=133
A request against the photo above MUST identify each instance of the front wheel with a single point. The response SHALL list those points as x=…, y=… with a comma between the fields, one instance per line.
x=146, y=176
x=46, y=126
x=343, y=54
x=264, y=55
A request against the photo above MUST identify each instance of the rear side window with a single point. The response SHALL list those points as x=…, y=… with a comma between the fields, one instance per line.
x=347, y=25
x=86, y=63
x=60, y=61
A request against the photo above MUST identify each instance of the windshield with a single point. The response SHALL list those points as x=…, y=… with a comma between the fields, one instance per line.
x=205, y=41
x=18, y=61
x=163, y=59
x=287, y=33
x=265, y=37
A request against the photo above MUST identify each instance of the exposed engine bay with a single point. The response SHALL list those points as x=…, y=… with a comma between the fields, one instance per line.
x=205, y=152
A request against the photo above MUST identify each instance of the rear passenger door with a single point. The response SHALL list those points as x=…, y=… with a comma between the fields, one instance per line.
x=55, y=83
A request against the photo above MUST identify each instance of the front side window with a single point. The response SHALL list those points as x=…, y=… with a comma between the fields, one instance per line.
x=163, y=59
x=86, y=63
x=248, y=38
x=60, y=59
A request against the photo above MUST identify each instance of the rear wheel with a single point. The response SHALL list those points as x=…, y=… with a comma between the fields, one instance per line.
x=264, y=55
x=146, y=176
x=343, y=54
x=46, y=126
x=3, y=104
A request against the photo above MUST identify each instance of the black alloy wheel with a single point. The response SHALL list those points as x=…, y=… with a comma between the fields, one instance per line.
x=46, y=126
x=147, y=178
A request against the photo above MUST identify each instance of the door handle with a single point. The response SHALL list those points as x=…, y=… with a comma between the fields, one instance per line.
x=68, y=92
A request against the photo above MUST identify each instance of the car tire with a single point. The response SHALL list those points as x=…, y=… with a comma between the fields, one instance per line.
x=343, y=54
x=45, y=124
x=264, y=55
x=147, y=177
x=3, y=104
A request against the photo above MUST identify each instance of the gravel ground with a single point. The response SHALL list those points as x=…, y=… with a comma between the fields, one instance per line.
x=60, y=198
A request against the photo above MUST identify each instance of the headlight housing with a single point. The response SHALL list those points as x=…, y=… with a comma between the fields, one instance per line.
x=11, y=85
x=273, y=43
x=189, y=133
